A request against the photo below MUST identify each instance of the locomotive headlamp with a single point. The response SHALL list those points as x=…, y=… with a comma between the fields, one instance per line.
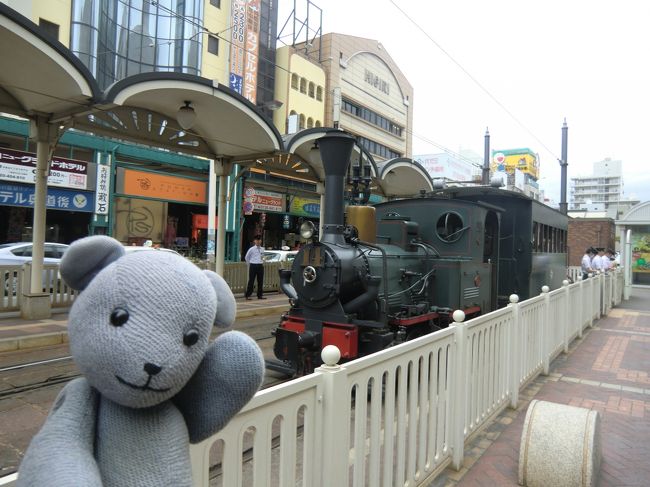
x=307, y=230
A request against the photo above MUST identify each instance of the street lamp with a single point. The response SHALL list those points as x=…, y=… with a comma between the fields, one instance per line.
x=186, y=116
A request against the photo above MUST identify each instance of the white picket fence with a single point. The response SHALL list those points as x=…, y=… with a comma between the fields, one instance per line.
x=14, y=280
x=400, y=416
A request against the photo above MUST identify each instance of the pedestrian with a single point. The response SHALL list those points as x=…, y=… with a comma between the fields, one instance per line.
x=586, y=263
x=255, y=268
x=597, y=263
x=608, y=263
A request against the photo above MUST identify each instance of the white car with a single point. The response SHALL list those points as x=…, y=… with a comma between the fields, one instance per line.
x=137, y=248
x=18, y=253
x=279, y=255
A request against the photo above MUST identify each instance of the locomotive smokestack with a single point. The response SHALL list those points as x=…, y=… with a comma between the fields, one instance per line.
x=563, y=169
x=485, y=173
x=335, y=151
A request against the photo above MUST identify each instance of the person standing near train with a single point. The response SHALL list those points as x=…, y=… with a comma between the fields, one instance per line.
x=597, y=261
x=586, y=263
x=255, y=268
x=606, y=260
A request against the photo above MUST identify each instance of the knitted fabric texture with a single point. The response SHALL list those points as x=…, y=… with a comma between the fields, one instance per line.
x=139, y=332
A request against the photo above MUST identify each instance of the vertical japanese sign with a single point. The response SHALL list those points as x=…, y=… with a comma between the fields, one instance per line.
x=238, y=42
x=103, y=188
x=252, y=49
x=244, y=48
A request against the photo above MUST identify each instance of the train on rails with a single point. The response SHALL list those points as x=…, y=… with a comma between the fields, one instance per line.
x=397, y=270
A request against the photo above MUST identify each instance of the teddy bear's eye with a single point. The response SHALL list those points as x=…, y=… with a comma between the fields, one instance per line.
x=191, y=337
x=119, y=316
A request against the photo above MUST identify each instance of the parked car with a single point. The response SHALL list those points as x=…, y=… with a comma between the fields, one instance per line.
x=137, y=248
x=18, y=253
x=279, y=255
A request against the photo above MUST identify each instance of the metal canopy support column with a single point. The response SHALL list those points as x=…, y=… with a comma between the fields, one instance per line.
x=212, y=212
x=222, y=168
x=36, y=304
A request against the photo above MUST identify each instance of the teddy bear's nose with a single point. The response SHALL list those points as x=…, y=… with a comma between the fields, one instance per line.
x=152, y=369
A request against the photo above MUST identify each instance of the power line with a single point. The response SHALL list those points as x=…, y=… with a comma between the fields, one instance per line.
x=476, y=81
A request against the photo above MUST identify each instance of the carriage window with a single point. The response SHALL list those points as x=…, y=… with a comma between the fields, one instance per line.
x=535, y=237
x=553, y=239
x=450, y=227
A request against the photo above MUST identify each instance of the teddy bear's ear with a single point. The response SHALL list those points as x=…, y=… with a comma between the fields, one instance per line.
x=226, y=305
x=86, y=257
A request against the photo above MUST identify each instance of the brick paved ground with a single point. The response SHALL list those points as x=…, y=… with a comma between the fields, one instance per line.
x=607, y=371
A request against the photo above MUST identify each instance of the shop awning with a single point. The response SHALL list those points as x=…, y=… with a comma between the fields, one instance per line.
x=402, y=177
x=144, y=108
x=39, y=75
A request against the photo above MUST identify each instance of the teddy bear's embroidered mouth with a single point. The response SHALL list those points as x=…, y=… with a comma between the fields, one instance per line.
x=142, y=388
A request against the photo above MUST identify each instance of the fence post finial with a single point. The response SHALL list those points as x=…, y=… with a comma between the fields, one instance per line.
x=331, y=355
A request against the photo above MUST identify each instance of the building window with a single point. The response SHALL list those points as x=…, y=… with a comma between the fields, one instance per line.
x=317, y=123
x=294, y=81
x=215, y=3
x=310, y=122
x=213, y=45
x=118, y=39
x=301, y=123
x=303, y=85
x=319, y=93
x=50, y=28
x=377, y=148
x=371, y=117
x=312, y=89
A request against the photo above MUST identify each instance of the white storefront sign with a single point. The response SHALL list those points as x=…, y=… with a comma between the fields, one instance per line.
x=20, y=167
x=103, y=189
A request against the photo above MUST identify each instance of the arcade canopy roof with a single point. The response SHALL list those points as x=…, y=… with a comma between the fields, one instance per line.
x=57, y=88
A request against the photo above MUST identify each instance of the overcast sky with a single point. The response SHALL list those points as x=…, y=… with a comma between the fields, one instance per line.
x=543, y=60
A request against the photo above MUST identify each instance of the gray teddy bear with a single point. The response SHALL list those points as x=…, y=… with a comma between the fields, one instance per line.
x=151, y=382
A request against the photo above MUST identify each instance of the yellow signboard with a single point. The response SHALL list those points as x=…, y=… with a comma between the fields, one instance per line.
x=524, y=160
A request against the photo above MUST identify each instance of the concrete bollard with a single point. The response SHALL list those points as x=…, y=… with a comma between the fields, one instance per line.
x=560, y=446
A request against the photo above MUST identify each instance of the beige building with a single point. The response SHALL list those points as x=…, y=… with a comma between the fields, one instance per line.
x=365, y=92
x=300, y=86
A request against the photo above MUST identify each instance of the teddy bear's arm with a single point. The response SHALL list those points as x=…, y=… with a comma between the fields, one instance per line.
x=61, y=453
x=229, y=376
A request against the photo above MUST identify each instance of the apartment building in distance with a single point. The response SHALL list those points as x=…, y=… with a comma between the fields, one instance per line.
x=602, y=191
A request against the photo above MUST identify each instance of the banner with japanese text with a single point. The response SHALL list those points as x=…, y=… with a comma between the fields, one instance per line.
x=237, y=44
x=244, y=47
x=252, y=49
x=20, y=167
x=259, y=200
x=57, y=199
x=102, y=191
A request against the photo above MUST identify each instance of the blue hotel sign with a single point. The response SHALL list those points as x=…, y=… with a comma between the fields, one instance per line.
x=57, y=198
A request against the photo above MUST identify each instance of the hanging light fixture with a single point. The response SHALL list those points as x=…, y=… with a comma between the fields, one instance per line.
x=186, y=116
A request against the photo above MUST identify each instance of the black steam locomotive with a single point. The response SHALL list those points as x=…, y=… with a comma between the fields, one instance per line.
x=398, y=270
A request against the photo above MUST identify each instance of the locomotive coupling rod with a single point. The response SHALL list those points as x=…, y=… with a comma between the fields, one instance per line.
x=277, y=366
